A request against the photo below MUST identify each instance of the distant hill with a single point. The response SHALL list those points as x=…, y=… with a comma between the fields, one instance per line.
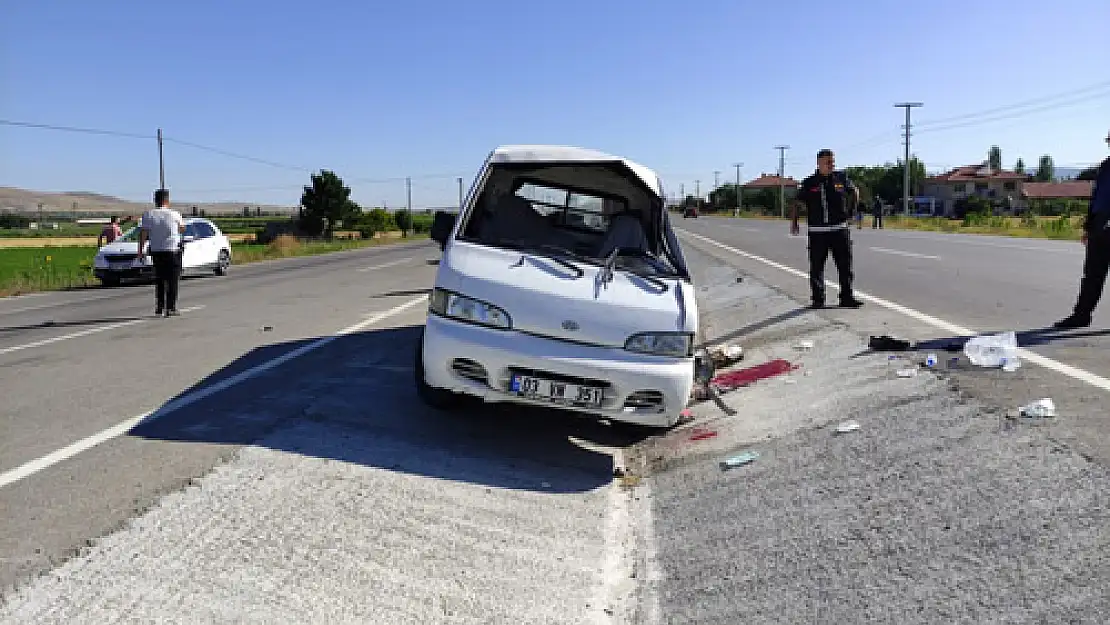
x=87, y=203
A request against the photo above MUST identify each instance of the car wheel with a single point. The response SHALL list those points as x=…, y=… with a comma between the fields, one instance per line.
x=223, y=263
x=438, y=398
x=109, y=282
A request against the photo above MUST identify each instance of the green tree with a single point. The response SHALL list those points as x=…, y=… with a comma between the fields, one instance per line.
x=404, y=221
x=1019, y=166
x=375, y=221
x=327, y=202
x=994, y=158
x=886, y=180
x=724, y=196
x=1046, y=169
x=1091, y=173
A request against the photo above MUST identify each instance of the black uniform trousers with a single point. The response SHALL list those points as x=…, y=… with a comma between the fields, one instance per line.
x=1095, y=267
x=167, y=275
x=877, y=218
x=839, y=244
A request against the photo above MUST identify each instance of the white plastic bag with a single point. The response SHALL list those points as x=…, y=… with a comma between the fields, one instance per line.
x=993, y=350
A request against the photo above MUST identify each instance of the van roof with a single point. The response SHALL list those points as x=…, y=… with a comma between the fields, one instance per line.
x=567, y=153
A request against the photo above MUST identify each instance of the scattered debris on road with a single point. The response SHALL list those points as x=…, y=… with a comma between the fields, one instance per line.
x=886, y=343
x=726, y=354
x=907, y=373
x=847, y=426
x=738, y=461
x=1040, y=409
x=993, y=351
x=267, y=328
x=804, y=346
x=931, y=360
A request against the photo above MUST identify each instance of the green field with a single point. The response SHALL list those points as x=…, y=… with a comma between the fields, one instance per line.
x=29, y=269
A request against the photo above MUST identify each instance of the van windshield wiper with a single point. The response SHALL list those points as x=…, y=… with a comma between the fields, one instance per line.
x=606, y=274
x=528, y=249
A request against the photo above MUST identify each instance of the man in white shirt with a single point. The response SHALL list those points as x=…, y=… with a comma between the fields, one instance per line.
x=162, y=227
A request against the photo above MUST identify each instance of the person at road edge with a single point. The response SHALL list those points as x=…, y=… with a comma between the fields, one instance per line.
x=162, y=227
x=1096, y=236
x=877, y=212
x=110, y=232
x=825, y=196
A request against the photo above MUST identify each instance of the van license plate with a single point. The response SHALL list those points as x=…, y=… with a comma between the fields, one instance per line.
x=555, y=391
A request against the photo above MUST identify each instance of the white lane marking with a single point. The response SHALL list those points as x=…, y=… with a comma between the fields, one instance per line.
x=77, y=335
x=1048, y=363
x=901, y=253
x=66, y=337
x=12, y=298
x=393, y=263
x=34, y=466
x=77, y=302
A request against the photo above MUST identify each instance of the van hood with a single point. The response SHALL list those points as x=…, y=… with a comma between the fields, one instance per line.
x=545, y=298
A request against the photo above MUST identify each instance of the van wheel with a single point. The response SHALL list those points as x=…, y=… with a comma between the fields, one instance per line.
x=438, y=398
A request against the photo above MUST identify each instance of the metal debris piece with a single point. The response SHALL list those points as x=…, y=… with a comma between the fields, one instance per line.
x=847, y=426
x=738, y=461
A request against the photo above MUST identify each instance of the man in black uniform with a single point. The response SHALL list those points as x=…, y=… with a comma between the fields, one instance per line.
x=827, y=196
x=877, y=212
x=1096, y=236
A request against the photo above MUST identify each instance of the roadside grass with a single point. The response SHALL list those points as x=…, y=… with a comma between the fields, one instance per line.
x=1061, y=228
x=48, y=268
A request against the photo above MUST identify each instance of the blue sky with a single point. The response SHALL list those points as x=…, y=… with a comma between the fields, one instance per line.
x=381, y=90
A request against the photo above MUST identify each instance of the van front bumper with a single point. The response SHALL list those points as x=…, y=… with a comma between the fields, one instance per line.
x=479, y=361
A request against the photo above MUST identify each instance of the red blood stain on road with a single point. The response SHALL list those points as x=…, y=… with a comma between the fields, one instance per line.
x=700, y=434
x=742, y=377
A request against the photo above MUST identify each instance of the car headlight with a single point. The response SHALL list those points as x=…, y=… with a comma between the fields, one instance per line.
x=677, y=344
x=455, y=306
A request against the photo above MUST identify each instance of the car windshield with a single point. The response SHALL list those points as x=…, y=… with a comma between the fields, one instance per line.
x=555, y=220
x=131, y=235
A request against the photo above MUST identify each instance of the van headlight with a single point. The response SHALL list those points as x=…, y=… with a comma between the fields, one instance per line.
x=448, y=304
x=677, y=344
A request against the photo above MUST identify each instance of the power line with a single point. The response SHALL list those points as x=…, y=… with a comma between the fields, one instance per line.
x=91, y=131
x=243, y=157
x=1017, y=114
x=945, y=120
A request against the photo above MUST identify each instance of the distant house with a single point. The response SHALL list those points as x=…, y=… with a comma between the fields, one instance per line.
x=770, y=181
x=974, y=180
x=1069, y=190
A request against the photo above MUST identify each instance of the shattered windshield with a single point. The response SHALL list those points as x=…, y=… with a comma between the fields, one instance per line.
x=575, y=225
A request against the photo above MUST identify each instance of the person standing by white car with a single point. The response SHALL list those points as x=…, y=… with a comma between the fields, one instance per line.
x=162, y=227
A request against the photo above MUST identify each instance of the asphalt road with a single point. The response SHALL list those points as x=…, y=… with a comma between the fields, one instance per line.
x=292, y=475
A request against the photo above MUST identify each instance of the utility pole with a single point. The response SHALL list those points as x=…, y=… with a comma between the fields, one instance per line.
x=716, y=186
x=460, y=194
x=161, y=163
x=906, y=163
x=782, y=172
x=682, y=192
x=697, y=192
x=408, y=191
x=739, y=193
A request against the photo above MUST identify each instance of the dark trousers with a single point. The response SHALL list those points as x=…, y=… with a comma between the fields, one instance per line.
x=839, y=243
x=1095, y=267
x=167, y=275
x=877, y=221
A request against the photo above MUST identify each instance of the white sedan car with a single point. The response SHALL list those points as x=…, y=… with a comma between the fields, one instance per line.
x=205, y=249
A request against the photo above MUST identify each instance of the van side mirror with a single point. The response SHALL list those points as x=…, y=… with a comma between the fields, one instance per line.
x=442, y=225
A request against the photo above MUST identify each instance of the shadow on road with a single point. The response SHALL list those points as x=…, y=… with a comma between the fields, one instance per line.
x=403, y=293
x=352, y=399
x=1025, y=338
x=68, y=324
x=757, y=326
